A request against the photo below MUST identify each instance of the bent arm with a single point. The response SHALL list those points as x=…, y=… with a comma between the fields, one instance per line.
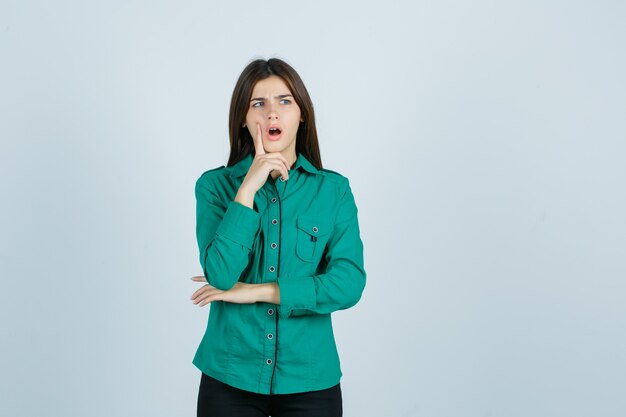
x=225, y=231
x=342, y=285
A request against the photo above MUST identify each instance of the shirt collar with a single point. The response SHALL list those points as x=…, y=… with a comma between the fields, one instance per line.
x=242, y=167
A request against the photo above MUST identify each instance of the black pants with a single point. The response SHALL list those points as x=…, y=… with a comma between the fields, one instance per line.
x=216, y=399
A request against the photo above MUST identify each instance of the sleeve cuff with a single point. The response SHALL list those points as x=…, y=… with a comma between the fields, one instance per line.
x=295, y=293
x=240, y=224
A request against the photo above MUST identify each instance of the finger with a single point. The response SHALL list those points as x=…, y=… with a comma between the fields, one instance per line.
x=196, y=294
x=279, y=156
x=205, y=302
x=284, y=162
x=209, y=299
x=204, y=296
x=284, y=172
x=258, y=141
x=206, y=289
x=198, y=278
x=281, y=168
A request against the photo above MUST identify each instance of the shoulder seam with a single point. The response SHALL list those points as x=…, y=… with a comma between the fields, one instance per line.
x=214, y=169
x=331, y=171
x=209, y=171
x=207, y=177
x=334, y=175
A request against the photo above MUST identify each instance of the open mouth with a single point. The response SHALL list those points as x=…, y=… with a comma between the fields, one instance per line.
x=274, y=132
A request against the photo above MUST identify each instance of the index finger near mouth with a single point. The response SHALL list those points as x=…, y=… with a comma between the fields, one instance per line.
x=258, y=141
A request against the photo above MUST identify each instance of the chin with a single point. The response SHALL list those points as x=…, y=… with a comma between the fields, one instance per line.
x=277, y=146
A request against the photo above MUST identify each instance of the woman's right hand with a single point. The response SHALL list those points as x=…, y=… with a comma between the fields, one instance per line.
x=263, y=164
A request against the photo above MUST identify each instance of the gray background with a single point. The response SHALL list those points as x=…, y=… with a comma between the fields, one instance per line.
x=485, y=144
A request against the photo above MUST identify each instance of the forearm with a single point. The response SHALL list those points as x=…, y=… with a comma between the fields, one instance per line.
x=223, y=262
x=225, y=237
x=268, y=293
x=245, y=197
x=338, y=289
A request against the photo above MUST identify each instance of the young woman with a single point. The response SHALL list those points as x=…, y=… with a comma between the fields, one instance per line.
x=280, y=249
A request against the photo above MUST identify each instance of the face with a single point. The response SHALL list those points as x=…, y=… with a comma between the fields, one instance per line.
x=275, y=109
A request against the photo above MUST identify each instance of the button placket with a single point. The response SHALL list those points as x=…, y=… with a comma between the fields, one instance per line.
x=270, y=275
x=274, y=235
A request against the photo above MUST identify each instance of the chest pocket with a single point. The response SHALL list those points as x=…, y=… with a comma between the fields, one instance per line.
x=312, y=234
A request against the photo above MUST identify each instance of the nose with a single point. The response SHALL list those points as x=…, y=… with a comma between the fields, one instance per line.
x=272, y=114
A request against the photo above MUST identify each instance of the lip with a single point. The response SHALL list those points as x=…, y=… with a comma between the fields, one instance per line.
x=275, y=138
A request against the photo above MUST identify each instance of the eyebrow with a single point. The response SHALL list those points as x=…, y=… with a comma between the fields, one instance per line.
x=279, y=96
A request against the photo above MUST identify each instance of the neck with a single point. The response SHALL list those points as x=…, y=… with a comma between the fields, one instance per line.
x=290, y=157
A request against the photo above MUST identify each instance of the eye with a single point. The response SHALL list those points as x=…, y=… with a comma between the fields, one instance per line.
x=287, y=100
x=255, y=104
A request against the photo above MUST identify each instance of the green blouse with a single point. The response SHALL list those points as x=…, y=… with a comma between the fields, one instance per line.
x=303, y=234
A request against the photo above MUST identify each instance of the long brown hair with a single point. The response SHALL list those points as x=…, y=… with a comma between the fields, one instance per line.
x=241, y=142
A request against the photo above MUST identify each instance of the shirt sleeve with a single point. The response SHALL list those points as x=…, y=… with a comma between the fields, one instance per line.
x=342, y=285
x=226, y=231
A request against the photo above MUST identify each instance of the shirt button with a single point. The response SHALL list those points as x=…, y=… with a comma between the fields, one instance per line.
x=282, y=179
x=273, y=245
x=274, y=221
x=273, y=199
x=270, y=336
x=270, y=311
x=272, y=269
x=315, y=229
x=268, y=361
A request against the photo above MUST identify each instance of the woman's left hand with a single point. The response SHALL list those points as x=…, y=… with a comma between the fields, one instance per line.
x=240, y=293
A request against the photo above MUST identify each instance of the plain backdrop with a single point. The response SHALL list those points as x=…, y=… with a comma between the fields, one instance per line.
x=485, y=142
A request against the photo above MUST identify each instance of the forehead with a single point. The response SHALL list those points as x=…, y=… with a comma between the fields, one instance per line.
x=270, y=86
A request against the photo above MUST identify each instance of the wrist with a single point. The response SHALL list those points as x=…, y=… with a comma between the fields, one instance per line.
x=268, y=293
x=245, y=197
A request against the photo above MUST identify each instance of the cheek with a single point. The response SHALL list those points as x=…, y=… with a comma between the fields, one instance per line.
x=297, y=115
x=292, y=114
x=296, y=120
x=253, y=117
x=251, y=122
